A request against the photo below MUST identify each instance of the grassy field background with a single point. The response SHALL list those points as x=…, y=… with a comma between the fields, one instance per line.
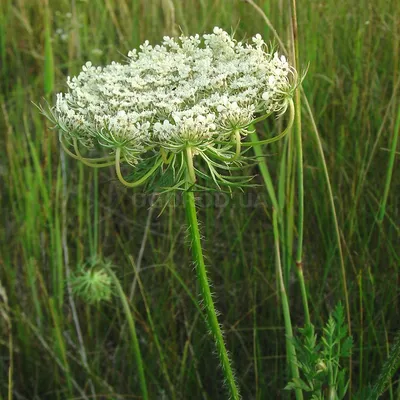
x=56, y=214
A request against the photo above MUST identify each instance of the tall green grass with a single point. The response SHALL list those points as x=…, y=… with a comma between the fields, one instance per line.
x=50, y=208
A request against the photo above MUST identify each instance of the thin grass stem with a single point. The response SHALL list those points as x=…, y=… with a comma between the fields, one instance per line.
x=132, y=330
x=324, y=164
x=262, y=165
x=291, y=351
x=300, y=173
x=389, y=174
x=163, y=363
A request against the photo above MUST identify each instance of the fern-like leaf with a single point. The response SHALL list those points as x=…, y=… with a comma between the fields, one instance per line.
x=389, y=368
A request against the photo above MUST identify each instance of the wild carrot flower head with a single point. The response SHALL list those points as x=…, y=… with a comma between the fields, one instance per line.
x=92, y=282
x=197, y=92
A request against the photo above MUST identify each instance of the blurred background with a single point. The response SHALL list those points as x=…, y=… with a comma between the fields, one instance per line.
x=56, y=213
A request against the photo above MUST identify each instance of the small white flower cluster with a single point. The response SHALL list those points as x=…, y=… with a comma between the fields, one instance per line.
x=190, y=91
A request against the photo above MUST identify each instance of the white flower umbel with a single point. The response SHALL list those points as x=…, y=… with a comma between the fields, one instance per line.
x=200, y=93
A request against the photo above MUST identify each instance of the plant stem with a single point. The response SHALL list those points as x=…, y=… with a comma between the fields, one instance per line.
x=300, y=174
x=332, y=393
x=214, y=326
x=285, y=307
x=132, y=329
x=141, y=180
x=262, y=165
x=390, y=168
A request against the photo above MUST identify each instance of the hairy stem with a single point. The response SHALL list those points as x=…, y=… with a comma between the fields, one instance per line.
x=197, y=251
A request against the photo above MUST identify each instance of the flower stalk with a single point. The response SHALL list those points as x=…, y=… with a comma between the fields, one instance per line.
x=214, y=326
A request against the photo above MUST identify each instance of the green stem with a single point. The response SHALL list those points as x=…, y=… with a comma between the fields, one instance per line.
x=262, y=165
x=300, y=174
x=96, y=210
x=282, y=134
x=291, y=351
x=238, y=147
x=94, y=162
x=140, y=181
x=390, y=168
x=300, y=180
x=324, y=164
x=11, y=358
x=269, y=186
x=190, y=166
x=79, y=157
x=303, y=289
x=197, y=251
x=332, y=393
x=132, y=329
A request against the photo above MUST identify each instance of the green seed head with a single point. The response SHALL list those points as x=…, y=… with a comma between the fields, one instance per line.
x=92, y=282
